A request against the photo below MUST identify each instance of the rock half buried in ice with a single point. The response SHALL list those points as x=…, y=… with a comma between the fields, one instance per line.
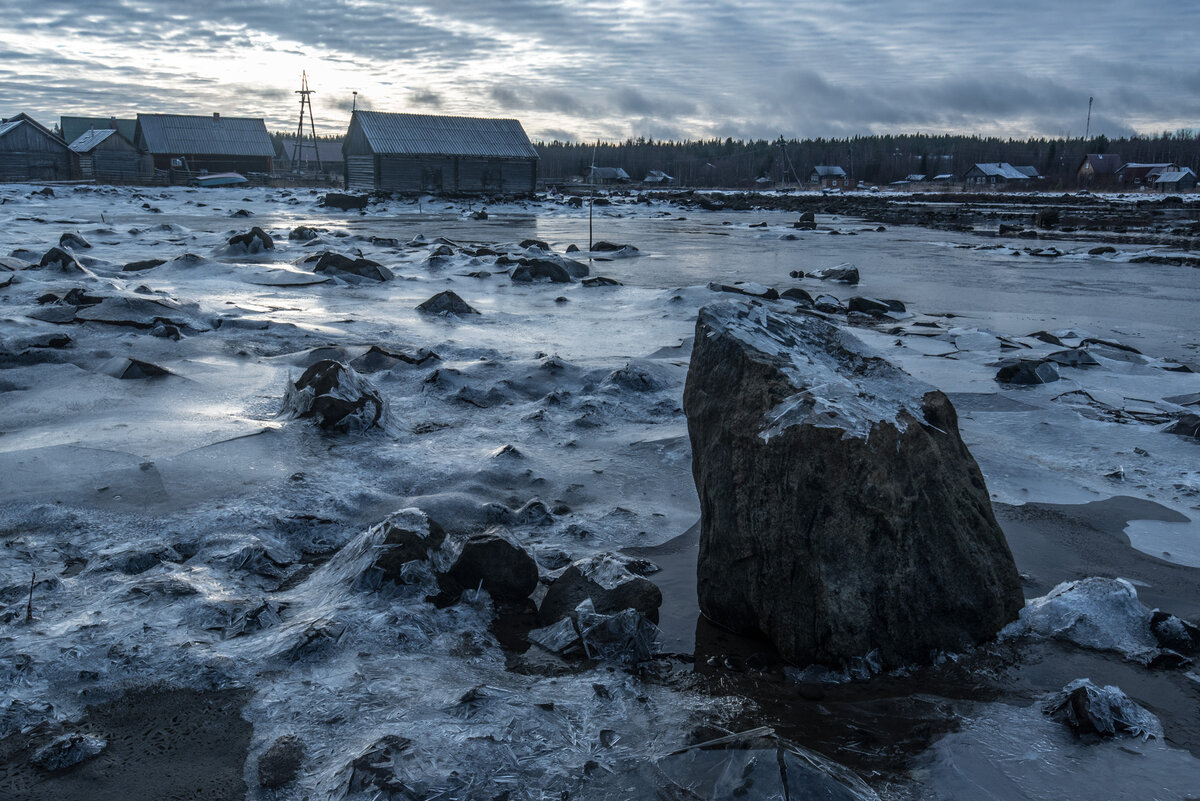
x=492, y=561
x=125, y=368
x=68, y=750
x=608, y=582
x=840, y=510
x=1105, y=711
x=336, y=398
x=447, y=302
x=1099, y=613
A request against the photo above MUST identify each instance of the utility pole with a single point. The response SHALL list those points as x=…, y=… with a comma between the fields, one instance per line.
x=1088, y=130
x=305, y=101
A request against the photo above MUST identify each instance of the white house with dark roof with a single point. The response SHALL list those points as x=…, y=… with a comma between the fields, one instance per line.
x=429, y=153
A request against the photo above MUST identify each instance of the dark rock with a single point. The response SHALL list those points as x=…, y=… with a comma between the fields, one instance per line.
x=241, y=213
x=1186, y=426
x=843, y=273
x=58, y=259
x=797, y=295
x=796, y=274
x=256, y=240
x=840, y=510
x=534, y=243
x=745, y=288
x=1100, y=251
x=868, y=306
x=126, y=368
x=608, y=582
x=377, y=359
x=572, y=248
x=1046, y=336
x=446, y=302
x=496, y=563
x=607, y=247
x=600, y=280
x=479, y=215
x=337, y=398
x=405, y=536
x=1108, y=343
x=280, y=764
x=166, y=331
x=1046, y=218
x=74, y=242
x=541, y=270
x=337, y=200
x=68, y=750
x=1103, y=711
x=1073, y=357
x=138, y=266
x=302, y=233
x=828, y=304
x=336, y=264
x=373, y=773
x=1027, y=371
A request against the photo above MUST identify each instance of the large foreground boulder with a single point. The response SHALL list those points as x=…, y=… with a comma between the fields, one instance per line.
x=337, y=398
x=841, y=512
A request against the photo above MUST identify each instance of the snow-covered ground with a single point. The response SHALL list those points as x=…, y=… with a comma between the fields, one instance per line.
x=173, y=522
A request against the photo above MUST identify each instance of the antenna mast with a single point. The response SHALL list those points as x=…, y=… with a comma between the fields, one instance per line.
x=1088, y=130
x=305, y=101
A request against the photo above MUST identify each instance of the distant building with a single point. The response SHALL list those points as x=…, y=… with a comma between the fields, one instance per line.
x=915, y=178
x=71, y=128
x=943, y=178
x=1099, y=169
x=31, y=152
x=198, y=143
x=994, y=173
x=1135, y=174
x=328, y=151
x=828, y=176
x=658, y=177
x=108, y=157
x=427, y=153
x=1029, y=171
x=608, y=175
x=1183, y=180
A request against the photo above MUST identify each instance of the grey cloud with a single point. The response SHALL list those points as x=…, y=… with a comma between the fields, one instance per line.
x=424, y=97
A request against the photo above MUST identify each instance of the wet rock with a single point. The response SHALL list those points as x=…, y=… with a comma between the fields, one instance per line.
x=495, y=562
x=541, y=270
x=280, y=764
x=337, y=398
x=607, y=581
x=797, y=295
x=74, y=242
x=145, y=264
x=337, y=200
x=609, y=247
x=1027, y=371
x=1174, y=632
x=829, y=479
x=625, y=635
x=1046, y=336
x=377, y=358
x=600, y=280
x=1103, y=711
x=1186, y=426
x=479, y=215
x=125, y=368
x=447, y=302
x=405, y=536
x=256, y=240
x=745, y=288
x=572, y=248
x=534, y=243
x=60, y=260
x=68, y=750
x=303, y=233
x=634, y=377
x=331, y=263
x=828, y=304
x=1103, y=249
x=843, y=273
x=1046, y=218
x=873, y=306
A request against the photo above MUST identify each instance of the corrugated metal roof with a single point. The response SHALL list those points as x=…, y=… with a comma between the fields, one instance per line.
x=89, y=139
x=184, y=134
x=430, y=135
x=1172, y=176
x=1028, y=170
x=826, y=171
x=609, y=173
x=1002, y=169
x=74, y=127
x=9, y=126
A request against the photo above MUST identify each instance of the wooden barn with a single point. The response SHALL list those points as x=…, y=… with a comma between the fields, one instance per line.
x=198, y=143
x=71, y=128
x=108, y=157
x=427, y=153
x=30, y=152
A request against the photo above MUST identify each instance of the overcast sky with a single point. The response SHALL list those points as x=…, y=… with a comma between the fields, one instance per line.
x=613, y=69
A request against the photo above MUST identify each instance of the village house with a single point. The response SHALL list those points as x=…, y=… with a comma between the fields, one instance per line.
x=427, y=153
x=1183, y=180
x=108, y=157
x=1099, y=169
x=658, y=177
x=994, y=173
x=607, y=175
x=71, y=128
x=186, y=144
x=1135, y=174
x=31, y=152
x=828, y=176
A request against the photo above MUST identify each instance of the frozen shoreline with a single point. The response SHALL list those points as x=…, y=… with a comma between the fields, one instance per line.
x=156, y=512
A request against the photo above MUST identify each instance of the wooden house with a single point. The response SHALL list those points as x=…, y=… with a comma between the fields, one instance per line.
x=829, y=177
x=108, y=157
x=71, y=128
x=1138, y=174
x=428, y=153
x=31, y=152
x=995, y=173
x=192, y=144
x=1183, y=180
x=607, y=175
x=1099, y=169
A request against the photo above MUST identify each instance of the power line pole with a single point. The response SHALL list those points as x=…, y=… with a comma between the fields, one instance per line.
x=305, y=101
x=1088, y=130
